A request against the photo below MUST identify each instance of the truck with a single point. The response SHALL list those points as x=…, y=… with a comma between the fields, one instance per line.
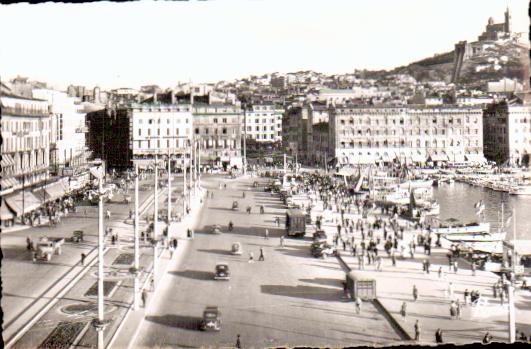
x=46, y=247
x=295, y=222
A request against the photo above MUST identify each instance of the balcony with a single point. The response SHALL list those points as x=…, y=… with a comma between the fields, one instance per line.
x=23, y=112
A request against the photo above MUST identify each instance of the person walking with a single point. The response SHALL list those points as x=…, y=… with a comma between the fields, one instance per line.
x=466, y=296
x=83, y=256
x=358, y=305
x=238, y=342
x=28, y=243
x=487, y=338
x=451, y=290
x=458, y=309
x=456, y=267
x=266, y=235
x=261, y=257
x=393, y=258
x=473, y=268
x=144, y=297
x=282, y=241
x=403, y=310
x=439, y=273
x=415, y=293
x=417, y=331
x=379, y=263
x=438, y=336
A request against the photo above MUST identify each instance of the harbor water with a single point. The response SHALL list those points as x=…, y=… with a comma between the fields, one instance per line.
x=457, y=201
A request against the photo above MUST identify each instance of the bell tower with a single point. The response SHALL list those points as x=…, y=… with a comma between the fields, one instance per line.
x=507, y=24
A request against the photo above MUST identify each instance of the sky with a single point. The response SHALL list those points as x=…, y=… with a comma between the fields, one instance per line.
x=132, y=44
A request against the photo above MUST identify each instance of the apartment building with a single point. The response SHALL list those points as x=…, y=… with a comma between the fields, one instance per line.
x=217, y=128
x=25, y=152
x=263, y=123
x=507, y=133
x=409, y=134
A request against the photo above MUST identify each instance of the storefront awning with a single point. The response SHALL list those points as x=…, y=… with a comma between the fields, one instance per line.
x=7, y=160
x=361, y=159
x=418, y=158
x=438, y=157
x=22, y=202
x=475, y=158
x=55, y=191
x=5, y=212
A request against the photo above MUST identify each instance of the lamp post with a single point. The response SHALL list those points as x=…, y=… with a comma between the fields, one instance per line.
x=137, y=251
x=169, y=189
x=99, y=323
x=244, y=139
x=155, y=219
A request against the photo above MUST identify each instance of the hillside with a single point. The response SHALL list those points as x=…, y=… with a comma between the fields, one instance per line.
x=499, y=59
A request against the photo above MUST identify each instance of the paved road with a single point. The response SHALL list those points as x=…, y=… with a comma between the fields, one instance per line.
x=24, y=282
x=288, y=299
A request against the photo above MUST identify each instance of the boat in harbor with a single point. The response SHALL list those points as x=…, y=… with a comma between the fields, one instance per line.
x=472, y=228
x=475, y=237
x=521, y=190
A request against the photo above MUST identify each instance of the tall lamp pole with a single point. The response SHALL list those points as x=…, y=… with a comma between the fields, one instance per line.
x=137, y=249
x=244, y=139
x=99, y=324
x=169, y=187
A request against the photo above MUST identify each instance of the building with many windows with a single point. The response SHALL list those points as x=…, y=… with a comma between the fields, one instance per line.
x=409, y=134
x=218, y=129
x=139, y=133
x=507, y=133
x=25, y=152
x=263, y=123
x=67, y=132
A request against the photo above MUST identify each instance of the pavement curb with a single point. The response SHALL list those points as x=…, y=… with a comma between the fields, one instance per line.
x=54, y=298
x=190, y=220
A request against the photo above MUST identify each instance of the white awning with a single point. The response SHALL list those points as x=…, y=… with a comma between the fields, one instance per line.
x=475, y=158
x=418, y=158
x=361, y=159
x=438, y=157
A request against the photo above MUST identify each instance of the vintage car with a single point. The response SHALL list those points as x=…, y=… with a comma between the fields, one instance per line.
x=320, y=249
x=216, y=229
x=236, y=248
x=211, y=319
x=320, y=236
x=77, y=236
x=235, y=205
x=222, y=272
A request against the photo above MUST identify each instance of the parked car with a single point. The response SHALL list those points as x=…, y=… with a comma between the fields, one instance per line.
x=211, y=319
x=236, y=248
x=222, y=272
x=319, y=249
x=320, y=236
x=77, y=236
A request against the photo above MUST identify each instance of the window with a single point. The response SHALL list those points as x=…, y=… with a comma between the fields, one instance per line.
x=140, y=132
x=150, y=121
x=197, y=131
x=167, y=121
x=167, y=143
x=224, y=120
x=215, y=120
x=158, y=143
x=177, y=131
x=158, y=132
x=167, y=132
x=149, y=132
x=140, y=121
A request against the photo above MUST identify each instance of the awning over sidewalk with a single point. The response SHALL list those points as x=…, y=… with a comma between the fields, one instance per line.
x=5, y=212
x=55, y=191
x=22, y=202
x=7, y=160
x=361, y=159
x=418, y=158
x=438, y=157
x=475, y=158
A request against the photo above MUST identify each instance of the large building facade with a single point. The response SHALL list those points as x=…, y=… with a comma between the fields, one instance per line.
x=507, y=130
x=139, y=133
x=25, y=152
x=412, y=134
x=263, y=123
x=218, y=129
x=67, y=133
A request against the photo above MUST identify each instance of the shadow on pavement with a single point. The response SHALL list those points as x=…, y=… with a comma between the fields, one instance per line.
x=324, y=281
x=194, y=274
x=216, y=251
x=179, y=321
x=302, y=251
x=300, y=291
